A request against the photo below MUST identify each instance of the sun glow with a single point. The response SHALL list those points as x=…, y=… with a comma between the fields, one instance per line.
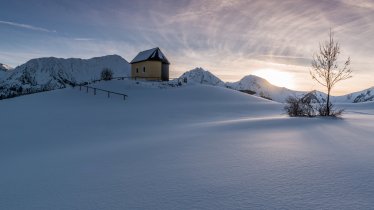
x=276, y=77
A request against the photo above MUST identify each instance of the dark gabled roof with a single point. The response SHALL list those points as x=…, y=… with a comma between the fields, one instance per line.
x=154, y=54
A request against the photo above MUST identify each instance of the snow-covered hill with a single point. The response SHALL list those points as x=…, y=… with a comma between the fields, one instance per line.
x=53, y=73
x=357, y=97
x=4, y=67
x=250, y=84
x=261, y=87
x=4, y=70
x=200, y=76
x=204, y=147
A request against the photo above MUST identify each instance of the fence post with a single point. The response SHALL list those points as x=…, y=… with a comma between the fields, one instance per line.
x=80, y=87
x=124, y=97
x=108, y=94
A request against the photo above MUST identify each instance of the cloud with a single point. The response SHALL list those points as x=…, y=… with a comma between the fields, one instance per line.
x=232, y=38
x=84, y=39
x=235, y=38
x=25, y=26
x=367, y=4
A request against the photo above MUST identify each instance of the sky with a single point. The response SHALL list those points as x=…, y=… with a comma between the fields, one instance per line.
x=231, y=38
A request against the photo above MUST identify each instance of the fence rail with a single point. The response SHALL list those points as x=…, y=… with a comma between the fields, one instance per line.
x=85, y=86
x=102, y=90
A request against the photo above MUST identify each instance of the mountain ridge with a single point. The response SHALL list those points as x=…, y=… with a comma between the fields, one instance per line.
x=261, y=87
x=4, y=70
x=4, y=67
x=49, y=73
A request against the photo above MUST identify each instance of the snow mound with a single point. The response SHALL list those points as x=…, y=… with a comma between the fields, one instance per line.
x=53, y=73
x=200, y=76
x=192, y=147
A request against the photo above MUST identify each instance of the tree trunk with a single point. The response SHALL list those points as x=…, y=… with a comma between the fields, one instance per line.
x=328, y=104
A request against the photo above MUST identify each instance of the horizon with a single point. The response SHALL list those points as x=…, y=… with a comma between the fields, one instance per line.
x=276, y=47
x=225, y=81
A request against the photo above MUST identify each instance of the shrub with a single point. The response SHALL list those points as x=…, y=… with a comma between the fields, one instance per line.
x=304, y=107
x=323, y=110
x=299, y=107
x=106, y=74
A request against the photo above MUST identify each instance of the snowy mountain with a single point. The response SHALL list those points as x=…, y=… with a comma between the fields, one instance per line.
x=4, y=70
x=53, y=73
x=4, y=67
x=263, y=88
x=357, y=97
x=200, y=76
x=250, y=84
x=260, y=87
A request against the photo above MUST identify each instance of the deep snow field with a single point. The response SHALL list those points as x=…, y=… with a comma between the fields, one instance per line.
x=192, y=147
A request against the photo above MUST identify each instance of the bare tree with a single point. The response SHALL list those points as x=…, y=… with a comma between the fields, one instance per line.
x=326, y=70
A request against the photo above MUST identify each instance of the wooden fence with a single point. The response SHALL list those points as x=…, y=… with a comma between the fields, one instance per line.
x=87, y=88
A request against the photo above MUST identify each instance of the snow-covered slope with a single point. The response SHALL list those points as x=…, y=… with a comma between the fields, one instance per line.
x=200, y=76
x=357, y=97
x=250, y=84
x=53, y=73
x=192, y=147
x=4, y=70
x=261, y=87
x=4, y=67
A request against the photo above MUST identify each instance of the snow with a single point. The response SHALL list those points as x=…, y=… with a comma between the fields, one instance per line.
x=4, y=70
x=205, y=147
x=357, y=97
x=54, y=73
x=142, y=56
x=4, y=67
x=200, y=76
x=263, y=88
x=2, y=74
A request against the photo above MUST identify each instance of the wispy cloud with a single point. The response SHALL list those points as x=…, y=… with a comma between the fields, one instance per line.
x=26, y=26
x=368, y=4
x=235, y=38
x=231, y=38
x=84, y=39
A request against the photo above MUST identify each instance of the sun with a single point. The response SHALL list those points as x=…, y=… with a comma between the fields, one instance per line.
x=277, y=77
